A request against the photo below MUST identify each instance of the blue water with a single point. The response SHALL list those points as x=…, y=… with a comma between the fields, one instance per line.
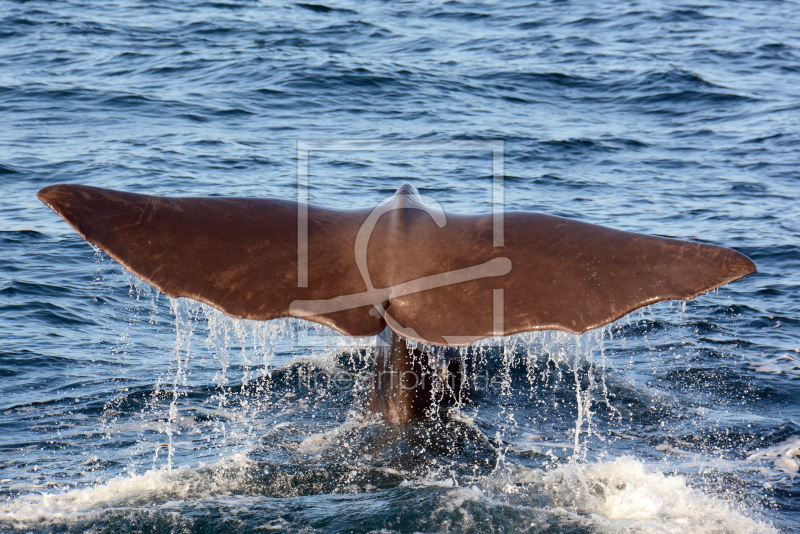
x=124, y=412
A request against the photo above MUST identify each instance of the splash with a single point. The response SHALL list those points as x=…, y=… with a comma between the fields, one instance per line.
x=157, y=486
x=624, y=496
x=229, y=379
x=246, y=354
x=547, y=359
x=258, y=399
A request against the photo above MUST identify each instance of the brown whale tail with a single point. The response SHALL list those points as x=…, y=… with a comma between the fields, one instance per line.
x=442, y=279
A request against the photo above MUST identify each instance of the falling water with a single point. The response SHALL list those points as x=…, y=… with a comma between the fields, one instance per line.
x=273, y=422
x=243, y=356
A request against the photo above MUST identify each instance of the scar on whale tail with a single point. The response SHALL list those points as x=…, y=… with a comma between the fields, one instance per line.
x=404, y=270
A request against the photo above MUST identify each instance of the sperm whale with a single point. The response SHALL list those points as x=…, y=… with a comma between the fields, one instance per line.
x=422, y=280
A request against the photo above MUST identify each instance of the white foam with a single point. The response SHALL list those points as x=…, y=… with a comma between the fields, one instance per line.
x=624, y=496
x=161, y=486
x=785, y=456
x=790, y=447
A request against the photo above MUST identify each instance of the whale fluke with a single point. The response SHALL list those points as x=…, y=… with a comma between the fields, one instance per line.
x=430, y=276
x=404, y=269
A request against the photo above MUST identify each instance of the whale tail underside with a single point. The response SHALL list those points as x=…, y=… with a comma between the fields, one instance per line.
x=442, y=279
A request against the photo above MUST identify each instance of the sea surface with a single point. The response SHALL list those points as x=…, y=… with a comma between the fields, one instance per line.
x=124, y=411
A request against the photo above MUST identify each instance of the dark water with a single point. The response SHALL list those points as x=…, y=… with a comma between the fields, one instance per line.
x=124, y=412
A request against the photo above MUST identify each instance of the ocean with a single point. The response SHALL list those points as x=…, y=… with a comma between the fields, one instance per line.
x=123, y=410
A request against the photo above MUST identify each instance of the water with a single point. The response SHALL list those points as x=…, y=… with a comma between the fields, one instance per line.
x=124, y=412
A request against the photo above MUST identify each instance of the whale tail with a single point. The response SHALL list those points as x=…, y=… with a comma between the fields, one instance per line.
x=430, y=276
